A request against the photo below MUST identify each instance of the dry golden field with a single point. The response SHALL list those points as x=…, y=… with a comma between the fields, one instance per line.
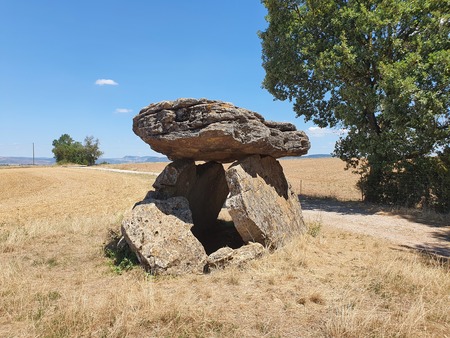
x=55, y=280
x=323, y=177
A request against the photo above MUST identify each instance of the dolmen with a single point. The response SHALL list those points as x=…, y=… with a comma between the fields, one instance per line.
x=175, y=229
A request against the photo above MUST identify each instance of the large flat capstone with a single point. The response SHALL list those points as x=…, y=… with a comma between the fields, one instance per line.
x=210, y=130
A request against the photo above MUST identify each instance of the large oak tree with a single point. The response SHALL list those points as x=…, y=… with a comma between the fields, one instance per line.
x=380, y=70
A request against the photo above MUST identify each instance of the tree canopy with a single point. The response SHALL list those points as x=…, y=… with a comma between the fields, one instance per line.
x=378, y=69
x=66, y=150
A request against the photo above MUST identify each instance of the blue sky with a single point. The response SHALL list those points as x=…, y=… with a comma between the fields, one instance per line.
x=55, y=56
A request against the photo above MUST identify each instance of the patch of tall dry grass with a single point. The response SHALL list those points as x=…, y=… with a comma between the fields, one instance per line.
x=55, y=280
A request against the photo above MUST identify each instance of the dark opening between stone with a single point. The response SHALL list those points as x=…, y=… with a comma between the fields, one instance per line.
x=221, y=234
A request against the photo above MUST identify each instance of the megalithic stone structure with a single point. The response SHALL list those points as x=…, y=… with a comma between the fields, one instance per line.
x=174, y=230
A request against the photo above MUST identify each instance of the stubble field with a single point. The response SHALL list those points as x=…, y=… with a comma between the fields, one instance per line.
x=325, y=177
x=55, y=280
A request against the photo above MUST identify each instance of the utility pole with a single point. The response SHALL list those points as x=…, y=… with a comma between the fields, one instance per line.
x=33, y=153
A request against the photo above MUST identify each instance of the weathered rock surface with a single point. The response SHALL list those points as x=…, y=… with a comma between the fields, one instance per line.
x=174, y=229
x=159, y=232
x=234, y=257
x=177, y=179
x=262, y=204
x=208, y=130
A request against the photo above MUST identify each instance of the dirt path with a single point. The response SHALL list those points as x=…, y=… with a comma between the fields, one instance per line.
x=117, y=170
x=402, y=230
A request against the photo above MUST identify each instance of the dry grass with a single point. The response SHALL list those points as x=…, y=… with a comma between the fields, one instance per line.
x=56, y=282
x=325, y=178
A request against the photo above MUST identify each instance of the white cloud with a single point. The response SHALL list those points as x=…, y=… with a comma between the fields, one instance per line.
x=108, y=82
x=124, y=110
x=321, y=132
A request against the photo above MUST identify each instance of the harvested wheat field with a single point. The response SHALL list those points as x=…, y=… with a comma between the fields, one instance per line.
x=56, y=281
x=323, y=177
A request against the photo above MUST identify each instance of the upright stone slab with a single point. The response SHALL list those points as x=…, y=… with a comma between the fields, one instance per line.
x=159, y=232
x=262, y=204
x=177, y=179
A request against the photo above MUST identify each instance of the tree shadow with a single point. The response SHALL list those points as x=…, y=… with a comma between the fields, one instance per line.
x=439, y=259
x=429, y=218
x=333, y=205
x=330, y=204
x=439, y=250
x=441, y=233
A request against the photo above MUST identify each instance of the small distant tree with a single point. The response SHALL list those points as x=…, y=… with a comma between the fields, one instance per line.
x=66, y=150
x=91, y=150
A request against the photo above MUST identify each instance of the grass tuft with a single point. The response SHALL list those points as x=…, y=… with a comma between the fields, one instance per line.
x=122, y=258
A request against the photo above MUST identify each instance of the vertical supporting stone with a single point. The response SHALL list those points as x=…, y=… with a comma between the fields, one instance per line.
x=159, y=232
x=262, y=204
x=177, y=179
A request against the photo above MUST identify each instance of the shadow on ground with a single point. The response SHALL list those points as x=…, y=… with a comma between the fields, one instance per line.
x=361, y=208
x=440, y=225
x=333, y=205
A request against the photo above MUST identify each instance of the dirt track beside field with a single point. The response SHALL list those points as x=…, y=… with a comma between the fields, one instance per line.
x=401, y=229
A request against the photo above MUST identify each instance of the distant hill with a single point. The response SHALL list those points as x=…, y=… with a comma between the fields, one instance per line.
x=125, y=159
x=318, y=156
x=51, y=161
x=26, y=160
x=306, y=156
x=133, y=159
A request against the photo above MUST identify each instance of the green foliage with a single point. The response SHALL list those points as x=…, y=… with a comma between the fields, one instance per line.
x=422, y=182
x=66, y=150
x=314, y=228
x=378, y=69
x=122, y=258
x=121, y=261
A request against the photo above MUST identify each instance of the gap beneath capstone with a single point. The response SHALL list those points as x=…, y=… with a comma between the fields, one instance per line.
x=213, y=225
x=221, y=234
